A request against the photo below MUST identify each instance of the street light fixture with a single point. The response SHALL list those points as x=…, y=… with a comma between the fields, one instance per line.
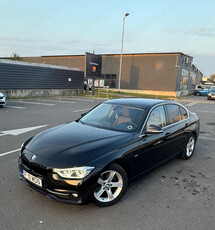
x=120, y=66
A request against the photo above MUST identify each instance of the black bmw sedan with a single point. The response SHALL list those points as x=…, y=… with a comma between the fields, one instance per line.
x=94, y=157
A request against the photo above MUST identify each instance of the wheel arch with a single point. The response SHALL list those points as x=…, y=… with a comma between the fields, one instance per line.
x=122, y=164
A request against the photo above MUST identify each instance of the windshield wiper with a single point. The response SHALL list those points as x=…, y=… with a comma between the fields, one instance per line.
x=81, y=122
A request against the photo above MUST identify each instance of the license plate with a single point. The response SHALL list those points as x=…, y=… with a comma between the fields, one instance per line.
x=35, y=180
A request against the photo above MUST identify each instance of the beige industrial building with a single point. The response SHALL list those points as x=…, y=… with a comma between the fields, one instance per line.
x=171, y=74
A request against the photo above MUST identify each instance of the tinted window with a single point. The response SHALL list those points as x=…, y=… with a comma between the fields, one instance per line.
x=173, y=113
x=114, y=117
x=157, y=117
x=183, y=113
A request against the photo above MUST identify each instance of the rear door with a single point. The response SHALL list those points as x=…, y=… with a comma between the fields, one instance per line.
x=177, y=123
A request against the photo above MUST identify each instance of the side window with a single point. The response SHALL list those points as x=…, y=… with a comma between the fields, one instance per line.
x=173, y=114
x=157, y=117
x=183, y=113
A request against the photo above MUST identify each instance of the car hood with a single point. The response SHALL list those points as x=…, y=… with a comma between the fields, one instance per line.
x=1, y=94
x=75, y=144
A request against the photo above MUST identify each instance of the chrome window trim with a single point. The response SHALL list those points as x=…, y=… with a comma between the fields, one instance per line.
x=167, y=126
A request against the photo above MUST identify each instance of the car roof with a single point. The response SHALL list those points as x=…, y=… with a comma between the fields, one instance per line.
x=137, y=102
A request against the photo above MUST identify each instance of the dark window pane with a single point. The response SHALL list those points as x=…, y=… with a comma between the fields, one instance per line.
x=157, y=117
x=107, y=76
x=173, y=113
x=113, y=76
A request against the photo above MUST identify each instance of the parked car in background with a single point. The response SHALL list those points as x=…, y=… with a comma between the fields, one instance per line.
x=94, y=157
x=211, y=95
x=202, y=92
x=198, y=87
x=2, y=99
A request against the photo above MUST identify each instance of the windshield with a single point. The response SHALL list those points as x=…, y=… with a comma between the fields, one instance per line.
x=114, y=117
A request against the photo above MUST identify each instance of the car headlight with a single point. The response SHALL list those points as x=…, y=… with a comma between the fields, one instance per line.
x=74, y=173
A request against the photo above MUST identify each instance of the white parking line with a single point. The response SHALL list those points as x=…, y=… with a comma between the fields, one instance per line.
x=35, y=103
x=13, y=151
x=203, y=111
x=191, y=104
x=76, y=99
x=206, y=138
x=69, y=102
x=3, y=134
x=15, y=107
x=75, y=111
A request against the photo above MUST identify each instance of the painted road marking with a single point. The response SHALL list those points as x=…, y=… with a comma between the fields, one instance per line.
x=191, y=104
x=15, y=107
x=13, y=151
x=206, y=138
x=35, y=103
x=77, y=99
x=16, y=132
x=69, y=102
x=203, y=111
x=81, y=110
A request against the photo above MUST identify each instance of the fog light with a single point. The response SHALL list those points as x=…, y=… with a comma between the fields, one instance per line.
x=75, y=195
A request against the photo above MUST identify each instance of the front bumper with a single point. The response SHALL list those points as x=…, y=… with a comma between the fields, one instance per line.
x=2, y=101
x=59, y=189
x=212, y=96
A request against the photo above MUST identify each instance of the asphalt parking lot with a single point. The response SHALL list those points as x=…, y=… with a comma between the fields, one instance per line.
x=178, y=195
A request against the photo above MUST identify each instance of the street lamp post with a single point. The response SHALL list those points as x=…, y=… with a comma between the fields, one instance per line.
x=120, y=66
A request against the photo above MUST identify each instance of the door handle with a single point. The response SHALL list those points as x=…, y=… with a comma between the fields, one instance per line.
x=157, y=143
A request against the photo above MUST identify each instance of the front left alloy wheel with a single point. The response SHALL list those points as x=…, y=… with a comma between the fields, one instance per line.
x=111, y=186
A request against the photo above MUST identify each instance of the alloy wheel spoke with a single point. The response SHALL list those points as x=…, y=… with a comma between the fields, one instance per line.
x=116, y=184
x=99, y=193
x=109, y=194
x=111, y=176
x=100, y=181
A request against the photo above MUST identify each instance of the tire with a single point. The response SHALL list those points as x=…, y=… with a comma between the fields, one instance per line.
x=189, y=147
x=198, y=94
x=111, y=186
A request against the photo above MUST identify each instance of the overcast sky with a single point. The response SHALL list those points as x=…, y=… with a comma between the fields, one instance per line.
x=63, y=27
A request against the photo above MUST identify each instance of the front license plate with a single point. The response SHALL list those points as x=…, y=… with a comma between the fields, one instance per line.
x=35, y=180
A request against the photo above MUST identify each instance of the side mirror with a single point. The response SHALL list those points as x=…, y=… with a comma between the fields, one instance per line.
x=153, y=129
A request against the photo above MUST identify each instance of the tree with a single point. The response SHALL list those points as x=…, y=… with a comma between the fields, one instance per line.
x=15, y=57
x=212, y=78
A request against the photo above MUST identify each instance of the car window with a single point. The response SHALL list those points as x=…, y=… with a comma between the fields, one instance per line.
x=184, y=114
x=114, y=117
x=157, y=117
x=173, y=113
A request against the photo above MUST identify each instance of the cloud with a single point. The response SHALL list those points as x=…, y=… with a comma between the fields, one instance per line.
x=204, y=32
x=18, y=40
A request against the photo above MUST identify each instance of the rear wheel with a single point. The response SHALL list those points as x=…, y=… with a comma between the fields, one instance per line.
x=111, y=186
x=189, y=148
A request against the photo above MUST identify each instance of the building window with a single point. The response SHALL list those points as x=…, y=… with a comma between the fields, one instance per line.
x=113, y=76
